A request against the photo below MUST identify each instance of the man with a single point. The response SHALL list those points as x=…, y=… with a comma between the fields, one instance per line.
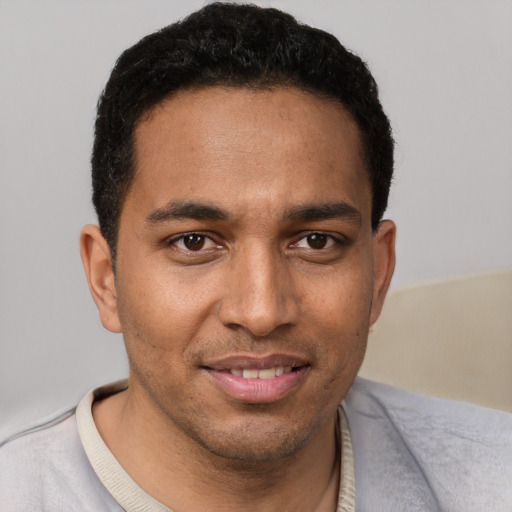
x=241, y=170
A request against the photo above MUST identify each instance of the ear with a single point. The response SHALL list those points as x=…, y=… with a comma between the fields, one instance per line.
x=100, y=277
x=383, y=265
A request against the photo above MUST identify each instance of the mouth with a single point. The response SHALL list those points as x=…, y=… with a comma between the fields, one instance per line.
x=258, y=380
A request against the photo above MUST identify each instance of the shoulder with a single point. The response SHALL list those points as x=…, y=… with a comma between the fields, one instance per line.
x=49, y=437
x=450, y=455
x=45, y=468
x=418, y=414
x=401, y=404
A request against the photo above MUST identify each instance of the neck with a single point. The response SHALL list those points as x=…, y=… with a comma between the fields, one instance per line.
x=183, y=475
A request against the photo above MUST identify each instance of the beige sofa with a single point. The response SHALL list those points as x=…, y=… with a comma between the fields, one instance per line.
x=451, y=339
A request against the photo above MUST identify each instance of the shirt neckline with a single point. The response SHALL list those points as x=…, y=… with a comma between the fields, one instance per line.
x=133, y=498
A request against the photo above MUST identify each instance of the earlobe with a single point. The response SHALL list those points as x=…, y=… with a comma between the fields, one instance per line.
x=97, y=264
x=383, y=265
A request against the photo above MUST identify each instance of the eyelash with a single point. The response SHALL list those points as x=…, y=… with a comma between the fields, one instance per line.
x=172, y=242
x=337, y=241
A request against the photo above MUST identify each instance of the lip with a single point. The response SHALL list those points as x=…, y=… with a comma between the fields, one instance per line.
x=257, y=391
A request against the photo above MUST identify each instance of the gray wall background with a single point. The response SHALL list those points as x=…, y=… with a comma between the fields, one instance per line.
x=445, y=74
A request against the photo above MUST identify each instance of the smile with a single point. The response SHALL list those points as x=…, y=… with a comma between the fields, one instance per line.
x=258, y=380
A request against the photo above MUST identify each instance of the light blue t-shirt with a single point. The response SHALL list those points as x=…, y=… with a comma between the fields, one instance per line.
x=410, y=453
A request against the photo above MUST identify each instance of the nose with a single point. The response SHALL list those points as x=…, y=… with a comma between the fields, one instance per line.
x=260, y=294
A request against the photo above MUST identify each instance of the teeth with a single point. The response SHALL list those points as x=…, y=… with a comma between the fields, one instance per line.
x=265, y=373
x=269, y=373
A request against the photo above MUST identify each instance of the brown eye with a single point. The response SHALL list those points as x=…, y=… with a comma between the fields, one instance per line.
x=317, y=241
x=194, y=242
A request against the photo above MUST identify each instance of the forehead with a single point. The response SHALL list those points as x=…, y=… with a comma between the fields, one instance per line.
x=228, y=144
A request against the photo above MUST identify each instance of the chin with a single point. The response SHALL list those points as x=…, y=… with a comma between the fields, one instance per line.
x=251, y=450
x=253, y=443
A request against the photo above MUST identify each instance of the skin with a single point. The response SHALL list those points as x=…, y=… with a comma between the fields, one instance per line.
x=261, y=279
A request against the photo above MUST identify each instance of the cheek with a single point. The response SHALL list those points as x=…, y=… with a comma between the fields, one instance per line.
x=162, y=305
x=343, y=298
x=342, y=313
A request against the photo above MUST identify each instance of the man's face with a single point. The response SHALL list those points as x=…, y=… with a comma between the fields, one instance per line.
x=245, y=250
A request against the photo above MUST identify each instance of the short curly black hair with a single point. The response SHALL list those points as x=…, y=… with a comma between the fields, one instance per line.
x=226, y=44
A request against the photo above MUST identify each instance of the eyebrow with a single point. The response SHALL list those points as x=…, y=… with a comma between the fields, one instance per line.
x=176, y=210
x=318, y=212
